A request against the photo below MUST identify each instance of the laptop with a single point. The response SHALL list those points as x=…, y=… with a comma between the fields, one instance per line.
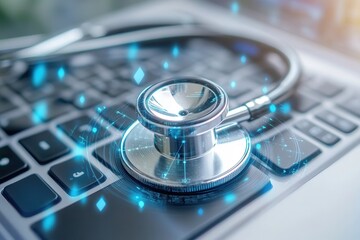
x=62, y=120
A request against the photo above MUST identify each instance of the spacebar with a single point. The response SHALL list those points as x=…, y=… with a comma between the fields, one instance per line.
x=124, y=210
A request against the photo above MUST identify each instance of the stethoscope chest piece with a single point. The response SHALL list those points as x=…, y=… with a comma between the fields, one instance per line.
x=178, y=144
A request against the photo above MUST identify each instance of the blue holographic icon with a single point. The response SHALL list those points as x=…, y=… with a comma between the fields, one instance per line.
x=141, y=204
x=200, y=211
x=101, y=204
x=139, y=75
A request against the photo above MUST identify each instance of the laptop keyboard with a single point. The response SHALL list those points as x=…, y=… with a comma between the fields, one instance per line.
x=101, y=88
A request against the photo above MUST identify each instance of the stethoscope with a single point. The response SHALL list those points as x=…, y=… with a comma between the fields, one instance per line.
x=185, y=138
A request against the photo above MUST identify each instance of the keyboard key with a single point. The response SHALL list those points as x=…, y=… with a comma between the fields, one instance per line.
x=10, y=164
x=286, y=152
x=266, y=123
x=5, y=105
x=76, y=175
x=352, y=105
x=44, y=147
x=301, y=103
x=33, y=94
x=121, y=116
x=17, y=124
x=336, y=121
x=30, y=195
x=49, y=109
x=317, y=132
x=325, y=88
x=109, y=155
x=125, y=203
x=84, y=130
x=84, y=100
x=117, y=88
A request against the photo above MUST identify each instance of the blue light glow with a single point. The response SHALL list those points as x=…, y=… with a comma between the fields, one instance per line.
x=94, y=130
x=139, y=75
x=243, y=59
x=49, y=222
x=200, y=211
x=175, y=51
x=229, y=198
x=141, y=204
x=264, y=89
x=133, y=51
x=79, y=151
x=83, y=200
x=235, y=7
x=258, y=146
x=101, y=204
x=40, y=112
x=232, y=84
x=272, y=108
x=82, y=99
x=166, y=65
x=61, y=73
x=100, y=109
x=39, y=75
x=74, y=191
x=285, y=108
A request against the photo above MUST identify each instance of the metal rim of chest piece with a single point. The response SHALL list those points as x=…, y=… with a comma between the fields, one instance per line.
x=178, y=144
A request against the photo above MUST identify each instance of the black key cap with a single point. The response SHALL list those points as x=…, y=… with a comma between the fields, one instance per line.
x=34, y=94
x=109, y=155
x=49, y=109
x=325, y=88
x=76, y=175
x=84, y=130
x=84, y=100
x=121, y=116
x=10, y=164
x=301, y=103
x=336, y=121
x=5, y=105
x=123, y=204
x=44, y=147
x=117, y=88
x=352, y=105
x=266, y=123
x=17, y=124
x=286, y=152
x=30, y=195
x=317, y=132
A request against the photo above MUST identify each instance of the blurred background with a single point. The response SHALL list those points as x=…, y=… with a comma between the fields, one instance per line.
x=333, y=23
